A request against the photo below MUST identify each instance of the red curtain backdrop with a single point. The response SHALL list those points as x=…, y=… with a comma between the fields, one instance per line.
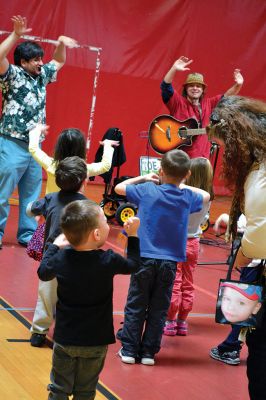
x=140, y=40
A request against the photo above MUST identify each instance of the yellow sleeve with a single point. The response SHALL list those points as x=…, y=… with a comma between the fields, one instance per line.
x=38, y=154
x=104, y=165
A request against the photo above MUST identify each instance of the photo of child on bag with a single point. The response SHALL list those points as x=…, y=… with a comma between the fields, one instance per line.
x=239, y=303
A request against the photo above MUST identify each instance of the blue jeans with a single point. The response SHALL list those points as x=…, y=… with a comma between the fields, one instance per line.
x=231, y=343
x=76, y=371
x=148, y=301
x=18, y=168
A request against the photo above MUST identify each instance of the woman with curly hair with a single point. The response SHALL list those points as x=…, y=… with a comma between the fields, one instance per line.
x=240, y=122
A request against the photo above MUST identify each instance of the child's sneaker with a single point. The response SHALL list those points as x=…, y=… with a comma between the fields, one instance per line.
x=227, y=357
x=170, y=328
x=127, y=359
x=147, y=359
x=37, y=339
x=182, y=328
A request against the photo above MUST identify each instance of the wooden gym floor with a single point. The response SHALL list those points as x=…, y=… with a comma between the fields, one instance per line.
x=183, y=367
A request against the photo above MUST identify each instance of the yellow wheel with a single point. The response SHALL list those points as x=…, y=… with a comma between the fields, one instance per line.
x=109, y=208
x=205, y=225
x=124, y=212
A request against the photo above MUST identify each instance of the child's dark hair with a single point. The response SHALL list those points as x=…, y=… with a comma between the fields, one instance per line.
x=176, y=164
x=201, y=175
x=78, y=219
x=71, y=142
x=70, y=174
x=26, y=51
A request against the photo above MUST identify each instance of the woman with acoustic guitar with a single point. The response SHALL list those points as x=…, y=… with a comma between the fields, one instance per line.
x=191, y=105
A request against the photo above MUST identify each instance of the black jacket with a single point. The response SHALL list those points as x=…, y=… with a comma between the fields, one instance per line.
x=119, y=156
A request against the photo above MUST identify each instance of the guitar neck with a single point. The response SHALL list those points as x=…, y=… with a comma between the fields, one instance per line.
x=195, y=132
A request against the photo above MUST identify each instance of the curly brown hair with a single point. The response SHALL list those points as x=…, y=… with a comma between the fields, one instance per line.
x=240, y=122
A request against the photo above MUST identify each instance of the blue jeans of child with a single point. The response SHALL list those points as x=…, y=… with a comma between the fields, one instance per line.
x=148, y=301
x=18, y=168
x=76, y=371
x=231, y=343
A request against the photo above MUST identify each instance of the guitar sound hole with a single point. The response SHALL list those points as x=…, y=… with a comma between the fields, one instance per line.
x=183, y=132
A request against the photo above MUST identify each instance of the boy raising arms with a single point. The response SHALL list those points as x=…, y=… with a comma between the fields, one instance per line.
x=84, y=311
x=163, y=210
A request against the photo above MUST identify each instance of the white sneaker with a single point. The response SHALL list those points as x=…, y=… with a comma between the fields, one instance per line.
x=147, y=361
x=126, y=359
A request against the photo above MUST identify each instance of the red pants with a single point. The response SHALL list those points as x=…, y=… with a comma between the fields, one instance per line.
x=183, y=290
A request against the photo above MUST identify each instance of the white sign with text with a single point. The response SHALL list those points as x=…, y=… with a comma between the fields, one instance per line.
x=149, y=164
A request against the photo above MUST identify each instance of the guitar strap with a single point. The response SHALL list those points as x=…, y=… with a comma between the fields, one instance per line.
x=200, y=114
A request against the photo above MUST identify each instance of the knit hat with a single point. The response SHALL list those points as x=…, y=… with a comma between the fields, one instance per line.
x=251, y=292
x=195, y=77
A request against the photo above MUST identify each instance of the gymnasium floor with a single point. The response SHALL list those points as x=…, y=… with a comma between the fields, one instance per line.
x=183, y=367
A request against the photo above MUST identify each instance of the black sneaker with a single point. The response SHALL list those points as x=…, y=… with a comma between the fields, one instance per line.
x=37, y=339
x=227, y=357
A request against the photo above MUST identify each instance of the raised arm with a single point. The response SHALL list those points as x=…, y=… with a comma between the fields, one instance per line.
x=46, y=270
x=37, y=207
x=59, y=57
x=205, y=195
x=105, y=164
x=239, y=80
x=37, y=153
x=121, y=187
x=179, y=65
x=131, y=226
x=19, y=29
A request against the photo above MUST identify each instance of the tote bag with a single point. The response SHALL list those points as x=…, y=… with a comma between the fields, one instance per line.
x=240, y=303
x=35, y=245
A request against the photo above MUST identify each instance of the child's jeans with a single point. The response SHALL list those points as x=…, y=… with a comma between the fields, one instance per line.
x=183, y=289
x=76, y=371
x=148, y=300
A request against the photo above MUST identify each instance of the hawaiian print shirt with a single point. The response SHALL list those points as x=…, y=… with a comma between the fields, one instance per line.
x=24, y=100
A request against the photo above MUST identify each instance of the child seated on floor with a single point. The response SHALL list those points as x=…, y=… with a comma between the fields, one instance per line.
x=84, y=311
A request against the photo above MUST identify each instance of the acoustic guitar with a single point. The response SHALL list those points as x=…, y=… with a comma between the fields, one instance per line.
x=167, y=133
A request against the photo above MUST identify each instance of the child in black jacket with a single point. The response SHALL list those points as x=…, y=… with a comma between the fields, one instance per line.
x=84, y=311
